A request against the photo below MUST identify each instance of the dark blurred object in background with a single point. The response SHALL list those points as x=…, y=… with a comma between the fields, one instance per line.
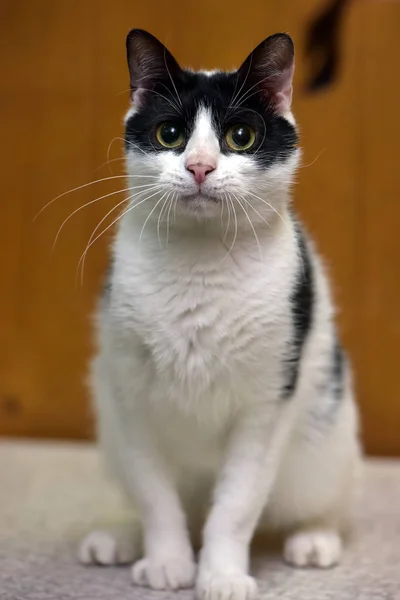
x=322, y=46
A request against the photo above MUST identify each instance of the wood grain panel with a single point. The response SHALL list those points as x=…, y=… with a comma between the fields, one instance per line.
x=379, y=219
x=46, y=120
x=63, y=94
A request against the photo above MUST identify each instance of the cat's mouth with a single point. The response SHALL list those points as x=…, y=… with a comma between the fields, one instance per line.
x=199, y=197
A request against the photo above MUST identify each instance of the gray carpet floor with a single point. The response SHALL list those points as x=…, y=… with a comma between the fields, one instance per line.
x=51, y=494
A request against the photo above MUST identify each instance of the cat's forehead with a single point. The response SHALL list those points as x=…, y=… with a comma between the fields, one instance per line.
x=206, y=87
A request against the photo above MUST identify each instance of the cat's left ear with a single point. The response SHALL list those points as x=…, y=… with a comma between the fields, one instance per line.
x=270, y=67
x=149, y=61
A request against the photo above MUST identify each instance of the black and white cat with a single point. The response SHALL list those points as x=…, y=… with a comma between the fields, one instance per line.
x=223, y=397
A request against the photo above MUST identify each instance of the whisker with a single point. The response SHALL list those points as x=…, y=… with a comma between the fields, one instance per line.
x=229, y=219
x=124, y=92
x=149, y=215
x=133, y=145
x=175, y=106
x=146, y=185
x=269, y=205
x=108, y=151
x=171, y=102
x=108, y=162
x=314, y=161
x=80, y=187
x=175, y=205
x=159, y=218
x=83, y=256
x=265, y=128
x=117, y=206
x=243, y=84
x=236, y=229
x=172, y=81
x=168, y=214
x=255, y=210
x=245, y=96
x=251, y=225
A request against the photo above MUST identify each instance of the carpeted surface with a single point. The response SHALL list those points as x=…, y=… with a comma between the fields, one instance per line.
x=50, y=494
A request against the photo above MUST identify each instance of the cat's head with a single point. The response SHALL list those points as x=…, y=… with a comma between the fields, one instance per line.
x=202, y=140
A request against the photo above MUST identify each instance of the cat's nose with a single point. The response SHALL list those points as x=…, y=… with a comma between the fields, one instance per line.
x=200, y=171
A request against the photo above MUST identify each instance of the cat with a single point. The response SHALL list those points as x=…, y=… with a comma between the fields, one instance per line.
x=223, y=397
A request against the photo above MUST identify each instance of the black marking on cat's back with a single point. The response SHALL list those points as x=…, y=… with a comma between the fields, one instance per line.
x=107, y=284
x=338, y=369
x=302, y=301
x=333, y=389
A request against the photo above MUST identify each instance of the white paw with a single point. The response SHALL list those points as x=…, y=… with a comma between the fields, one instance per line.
x=314, y=548
x=217, y=585
x=109, y=548
x=170, y=573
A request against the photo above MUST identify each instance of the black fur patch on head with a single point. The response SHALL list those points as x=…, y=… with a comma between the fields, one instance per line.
x=276, y=138
x=302, y=301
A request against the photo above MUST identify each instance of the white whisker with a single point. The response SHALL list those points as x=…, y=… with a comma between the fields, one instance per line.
x=159, y=218
x=108, y=150
x=175, y=205
x=172, y=81
x=269, y=205
x=154, y=187
x=255, y=210
x=149, y=215
x=134, y=146
x=251, y=225
x=229, y=219
x=168, y=214
x=314, y=161
x=265, y=127
x=80, y=187
x=243, y=84
x=130, y=189
x=245, y=96
x=171, y=102
x=236, y=230
x=108, y=162
x=83, y=256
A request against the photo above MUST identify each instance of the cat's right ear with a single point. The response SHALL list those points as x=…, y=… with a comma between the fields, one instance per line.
x=149, y=61
x=270, y=68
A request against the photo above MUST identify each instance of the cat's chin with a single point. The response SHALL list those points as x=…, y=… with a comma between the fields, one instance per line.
x=199, y=198
x=199, y=205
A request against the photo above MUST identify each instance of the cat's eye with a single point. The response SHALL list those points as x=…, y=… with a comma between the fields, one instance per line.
x=169, y=135
x=240, y=137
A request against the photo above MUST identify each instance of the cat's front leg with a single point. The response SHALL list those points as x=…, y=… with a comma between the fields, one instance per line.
x=168, y=561
x=242, y=489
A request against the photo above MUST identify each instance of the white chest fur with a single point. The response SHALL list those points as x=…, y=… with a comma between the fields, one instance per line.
x=210, y=321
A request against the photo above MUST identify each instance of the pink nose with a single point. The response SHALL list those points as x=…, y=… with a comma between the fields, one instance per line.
x=200, y=171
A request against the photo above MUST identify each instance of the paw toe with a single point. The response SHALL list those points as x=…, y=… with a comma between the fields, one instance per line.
x=171, y=573
x=109, y=547
x=98, y=548
x=313, y=549
x=226, y=586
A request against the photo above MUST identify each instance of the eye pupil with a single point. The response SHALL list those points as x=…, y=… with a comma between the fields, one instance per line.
x=241, y=136
x=170, y=133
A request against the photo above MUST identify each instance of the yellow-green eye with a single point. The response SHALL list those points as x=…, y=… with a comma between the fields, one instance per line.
x=240, y=137
x=169, y=135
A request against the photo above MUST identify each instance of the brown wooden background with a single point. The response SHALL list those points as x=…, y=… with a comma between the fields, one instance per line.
x=62, y=99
